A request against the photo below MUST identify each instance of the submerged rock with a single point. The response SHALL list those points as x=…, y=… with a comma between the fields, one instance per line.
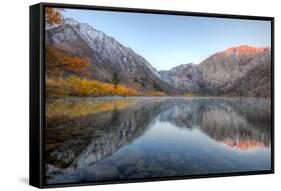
x=103, y=172
x=129, y=171
x=155, y=167
x=168, y=172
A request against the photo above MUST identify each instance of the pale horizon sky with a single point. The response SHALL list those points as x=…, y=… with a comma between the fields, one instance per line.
x=166, y=41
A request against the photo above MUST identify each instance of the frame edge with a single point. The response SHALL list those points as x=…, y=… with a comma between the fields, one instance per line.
x=36, y=64
x=35, y=162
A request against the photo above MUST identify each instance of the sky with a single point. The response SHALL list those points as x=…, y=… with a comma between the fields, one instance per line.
x=166, y=41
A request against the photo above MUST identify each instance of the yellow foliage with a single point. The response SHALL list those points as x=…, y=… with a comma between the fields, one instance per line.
x=124, y=91
x=154, y=93
x=75, y=86
x=53, y=87
x=69, y=108
x=189, y=94
x=53, y=15
x=58, y=63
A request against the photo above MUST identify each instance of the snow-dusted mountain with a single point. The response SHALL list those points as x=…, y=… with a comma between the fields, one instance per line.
x=184, y=77
x=106, y=55
x=219, y=74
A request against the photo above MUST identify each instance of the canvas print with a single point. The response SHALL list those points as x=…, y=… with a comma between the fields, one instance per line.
x=135, y=96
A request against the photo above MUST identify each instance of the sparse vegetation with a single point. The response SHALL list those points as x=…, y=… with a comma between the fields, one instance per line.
x=75, y=86
x=189, y=94
x=156, y=86
x=53, y=15
x=115, y=80
x=67, y=76
x=60, y=64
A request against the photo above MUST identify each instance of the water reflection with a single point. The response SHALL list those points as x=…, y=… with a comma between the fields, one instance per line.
x=155, y=137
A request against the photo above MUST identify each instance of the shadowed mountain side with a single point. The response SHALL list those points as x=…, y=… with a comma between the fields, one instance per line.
x=256, y=82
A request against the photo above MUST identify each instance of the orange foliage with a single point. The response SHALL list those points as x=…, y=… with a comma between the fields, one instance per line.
x=75, y=86
x=57, y=63
x=189, y=94
x=124, y=91
x=74, y=63
x=53, y=15
x=53, y=87
x=154, y=93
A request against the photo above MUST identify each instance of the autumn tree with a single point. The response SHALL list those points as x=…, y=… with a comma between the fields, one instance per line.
x=189, y=94
x=53, y=15
x=156, y=86
x=115, y=80
x=59, y=63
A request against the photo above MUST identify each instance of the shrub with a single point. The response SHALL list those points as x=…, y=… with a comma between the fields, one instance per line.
x=75, y=86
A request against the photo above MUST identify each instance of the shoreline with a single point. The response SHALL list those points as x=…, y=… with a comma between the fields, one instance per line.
x=129, y=97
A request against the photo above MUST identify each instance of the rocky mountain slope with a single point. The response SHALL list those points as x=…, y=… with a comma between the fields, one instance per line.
x=256, y=82
x=241, y=70
x=106, y=55
x=222, y=69
x=184, y=77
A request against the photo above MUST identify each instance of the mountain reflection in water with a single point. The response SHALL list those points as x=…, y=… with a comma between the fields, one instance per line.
x=99, y=139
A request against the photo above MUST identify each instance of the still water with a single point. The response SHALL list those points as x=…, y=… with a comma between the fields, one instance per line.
x=99, y=139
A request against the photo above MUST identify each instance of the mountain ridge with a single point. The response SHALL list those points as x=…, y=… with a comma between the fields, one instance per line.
x=107, y=56
x=220, y=71
x=218, y=74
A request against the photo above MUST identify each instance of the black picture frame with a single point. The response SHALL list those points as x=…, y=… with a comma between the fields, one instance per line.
x=37, y=91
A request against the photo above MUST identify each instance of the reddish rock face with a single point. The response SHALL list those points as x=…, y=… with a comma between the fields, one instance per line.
x=245, y=50
x=223, y=72
x=227, y=68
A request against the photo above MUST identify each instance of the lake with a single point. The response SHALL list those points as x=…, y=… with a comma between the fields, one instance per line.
x=112, y=138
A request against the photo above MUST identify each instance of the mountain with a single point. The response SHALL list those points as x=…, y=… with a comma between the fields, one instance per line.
x=256, y=82
x=224, y=68
x=183, y=77
x=242, y=70
x=106, y=55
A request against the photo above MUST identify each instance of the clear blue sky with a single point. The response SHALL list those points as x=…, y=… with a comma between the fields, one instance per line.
x=167, y=40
